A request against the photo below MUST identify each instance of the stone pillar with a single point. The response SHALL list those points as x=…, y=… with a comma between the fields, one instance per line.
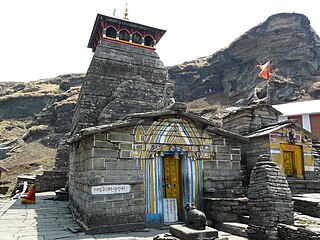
x=270, y=200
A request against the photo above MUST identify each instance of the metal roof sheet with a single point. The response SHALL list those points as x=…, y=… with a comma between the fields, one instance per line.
x=298, y=108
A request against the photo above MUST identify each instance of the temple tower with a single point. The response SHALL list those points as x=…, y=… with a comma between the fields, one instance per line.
x=125, y=75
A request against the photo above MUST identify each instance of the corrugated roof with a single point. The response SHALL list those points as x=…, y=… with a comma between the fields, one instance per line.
x=298, y=108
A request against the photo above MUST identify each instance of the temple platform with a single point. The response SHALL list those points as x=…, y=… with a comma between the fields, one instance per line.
x=185, y=233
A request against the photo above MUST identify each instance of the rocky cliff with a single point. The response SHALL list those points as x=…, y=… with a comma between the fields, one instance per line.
x=41, y=111
x=230, y=76
x=34, y=117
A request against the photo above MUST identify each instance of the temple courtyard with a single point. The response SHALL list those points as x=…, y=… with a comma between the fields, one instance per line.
x=51, y=219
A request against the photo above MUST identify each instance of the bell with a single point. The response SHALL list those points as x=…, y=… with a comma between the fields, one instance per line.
x=161, y=154
x=176, y=155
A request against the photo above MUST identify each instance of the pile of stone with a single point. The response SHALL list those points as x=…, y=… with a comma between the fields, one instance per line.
x=270, y=200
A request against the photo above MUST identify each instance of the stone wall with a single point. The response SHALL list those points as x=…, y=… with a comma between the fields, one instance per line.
x=51, y=180
x=225, y=209
x=249, y=119
x=103, y=160
x=270, y=200
x=304, y=186
x=222, y=174
x=121, y=79
x=287, y=232
x=251, y=151
x=309, y=207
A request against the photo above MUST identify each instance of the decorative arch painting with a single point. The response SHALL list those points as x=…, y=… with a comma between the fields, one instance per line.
x=165, y=137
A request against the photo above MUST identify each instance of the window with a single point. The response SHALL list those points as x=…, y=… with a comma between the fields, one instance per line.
x=136, y=38
x=148, y=41
x=111, y=32
x=124, y=35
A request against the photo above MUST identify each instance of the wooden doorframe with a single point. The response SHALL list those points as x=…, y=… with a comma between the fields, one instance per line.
x=297, y=155
x=166, y=182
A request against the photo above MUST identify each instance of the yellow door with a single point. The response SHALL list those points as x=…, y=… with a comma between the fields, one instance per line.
x=288, y=163
x=171, y=180
x=292, y=160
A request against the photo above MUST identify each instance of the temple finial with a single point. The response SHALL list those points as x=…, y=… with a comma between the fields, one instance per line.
x=126, y=13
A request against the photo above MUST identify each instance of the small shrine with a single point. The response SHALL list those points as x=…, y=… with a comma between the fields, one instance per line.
x=290, y=146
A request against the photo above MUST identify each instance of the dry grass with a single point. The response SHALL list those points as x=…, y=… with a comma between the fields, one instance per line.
x=29, y=158
x=34, y=91
x=13, y=129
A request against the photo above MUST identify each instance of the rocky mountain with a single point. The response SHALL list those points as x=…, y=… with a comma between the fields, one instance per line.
x=230, y=76
x=35, y=116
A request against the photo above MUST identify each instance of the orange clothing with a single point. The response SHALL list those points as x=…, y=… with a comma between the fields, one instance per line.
x=30, y=198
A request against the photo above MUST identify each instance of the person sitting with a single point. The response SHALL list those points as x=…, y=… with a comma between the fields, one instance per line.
x=30, y=198
x=19, y=193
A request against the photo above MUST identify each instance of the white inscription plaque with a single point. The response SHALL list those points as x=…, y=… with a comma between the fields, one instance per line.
x=110, y=189
x=170, y=210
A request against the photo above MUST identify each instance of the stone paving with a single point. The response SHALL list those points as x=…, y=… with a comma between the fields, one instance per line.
x=50, y=219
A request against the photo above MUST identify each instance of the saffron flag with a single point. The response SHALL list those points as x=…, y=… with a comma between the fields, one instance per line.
x=265, y=70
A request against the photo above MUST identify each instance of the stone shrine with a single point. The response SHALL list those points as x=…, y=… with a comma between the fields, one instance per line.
x=137, y=157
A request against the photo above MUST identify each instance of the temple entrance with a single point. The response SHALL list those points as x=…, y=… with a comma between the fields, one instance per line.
x=288, y=164
x=292, y=162
x=172, y=181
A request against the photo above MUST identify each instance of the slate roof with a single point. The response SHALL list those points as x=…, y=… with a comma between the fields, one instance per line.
x=276, y=126
x=138, y=118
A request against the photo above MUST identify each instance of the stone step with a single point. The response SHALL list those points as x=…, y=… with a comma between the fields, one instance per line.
x=244, y=219
x=307, y=204
x=234, y=228
x=185, y=233
x=298, y=186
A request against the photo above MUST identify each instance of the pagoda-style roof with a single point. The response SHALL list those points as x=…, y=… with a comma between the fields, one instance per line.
x=149, y=36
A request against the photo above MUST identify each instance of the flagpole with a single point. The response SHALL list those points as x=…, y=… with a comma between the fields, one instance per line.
x=267, y=92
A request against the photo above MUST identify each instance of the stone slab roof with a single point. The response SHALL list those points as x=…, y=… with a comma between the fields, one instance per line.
x=138, y=118
x=86, y=132
x=274, y=127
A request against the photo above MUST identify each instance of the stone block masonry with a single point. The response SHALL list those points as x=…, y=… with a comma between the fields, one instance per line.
x=222, y=174
x=225, y=209
x=270, y=200
x=120, y=80
x=106, y=187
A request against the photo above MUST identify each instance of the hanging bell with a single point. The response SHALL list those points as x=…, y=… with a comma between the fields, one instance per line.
x=176, y=155
x=161, y=154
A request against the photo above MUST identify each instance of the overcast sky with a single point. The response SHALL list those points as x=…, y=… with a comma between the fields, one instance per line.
x=46, y=38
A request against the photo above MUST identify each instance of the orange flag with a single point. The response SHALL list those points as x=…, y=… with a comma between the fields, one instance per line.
x=265, y=70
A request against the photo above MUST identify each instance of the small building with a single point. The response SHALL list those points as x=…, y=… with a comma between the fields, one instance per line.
x=289, y=145
x=306, y=113
x=144, y=169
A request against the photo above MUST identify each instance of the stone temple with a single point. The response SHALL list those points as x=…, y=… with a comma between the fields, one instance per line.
x=125, y=74
x=137, y=157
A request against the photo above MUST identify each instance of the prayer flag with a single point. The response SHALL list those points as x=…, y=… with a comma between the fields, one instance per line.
x=265, y=70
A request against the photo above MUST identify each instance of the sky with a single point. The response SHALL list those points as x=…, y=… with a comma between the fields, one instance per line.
x=46, y=38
